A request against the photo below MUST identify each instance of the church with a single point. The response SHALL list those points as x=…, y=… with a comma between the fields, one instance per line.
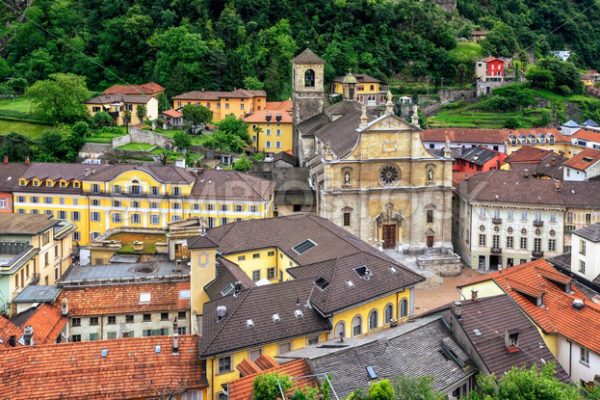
x=371, y=173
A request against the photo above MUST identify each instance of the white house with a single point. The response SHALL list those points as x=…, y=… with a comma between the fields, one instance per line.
x=583, y=166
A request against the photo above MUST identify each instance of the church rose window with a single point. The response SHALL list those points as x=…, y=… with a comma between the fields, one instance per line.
x=389, y=175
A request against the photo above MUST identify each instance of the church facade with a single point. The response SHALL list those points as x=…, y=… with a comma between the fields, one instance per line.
x=373, y=175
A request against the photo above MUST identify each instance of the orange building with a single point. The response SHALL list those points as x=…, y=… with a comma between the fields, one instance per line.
x=239, y=102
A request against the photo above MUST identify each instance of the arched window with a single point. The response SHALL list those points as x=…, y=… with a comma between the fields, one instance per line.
x=404, y=308
x=356, y=325
x=340, y=328
x=135, y=187
x=389, y=313
x=309, y=78
x=373, y=317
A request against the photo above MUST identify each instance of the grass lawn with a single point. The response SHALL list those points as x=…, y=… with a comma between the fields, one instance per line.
x=197, y=140
x=464, y=118
x=137, y=147
x=466, y=52
x=127, y=240
x=105, y=135
x=32, y=131
x=20, y=104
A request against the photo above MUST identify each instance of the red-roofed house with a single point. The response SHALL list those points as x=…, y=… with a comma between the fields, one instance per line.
x=172, y=118
x=44, y=325
x=568, y=320
x=583, y=166
x=490, y=69
x=298, y=370
x=134, y=310
x=152, y=89
x=140, y=368
x=463, y=138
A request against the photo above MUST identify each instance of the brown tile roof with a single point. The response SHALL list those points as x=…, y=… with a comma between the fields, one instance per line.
x=528, y=154
x=173, y=113
x=499, y=186
x=491, y=317
x=462, y=135
x=260, y=116
x=149, y=88
x=132, y=368
x=260, y=304
x=584, y=159
x=228, y=273
x=285, y=105
x=25, y=224
x=122, y=299
x=557, y=316
x=360, y=78
x=10, y=174
x=346, y=288
x=56, y=171
x=233, y=185
x=162, y=173
x=307, y=57
x=216, y=95
x=241, y=389
x=119, y=98
x=47, y=323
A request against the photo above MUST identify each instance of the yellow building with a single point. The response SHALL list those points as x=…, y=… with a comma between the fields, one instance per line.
x=271, y=129
x=34, y=249
x=107, y=197
x=360, y=87
x=282, y=284
x=541, y=138
x=239, y=102
x=117, y=105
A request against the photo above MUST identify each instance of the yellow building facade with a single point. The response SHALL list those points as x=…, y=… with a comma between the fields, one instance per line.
x=238, y=103
x=97, y=200
x=360, y=87
x=120, y=106
x=271, y=131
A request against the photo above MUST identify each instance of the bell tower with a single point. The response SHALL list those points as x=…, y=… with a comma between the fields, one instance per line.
x=308, y=73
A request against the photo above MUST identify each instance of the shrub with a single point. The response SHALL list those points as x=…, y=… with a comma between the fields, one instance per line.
x=101, y=119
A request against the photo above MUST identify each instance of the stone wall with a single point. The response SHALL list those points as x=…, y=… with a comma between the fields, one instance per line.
x=137, y=135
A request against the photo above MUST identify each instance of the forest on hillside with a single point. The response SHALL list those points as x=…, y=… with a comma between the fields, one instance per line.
x=216, y=44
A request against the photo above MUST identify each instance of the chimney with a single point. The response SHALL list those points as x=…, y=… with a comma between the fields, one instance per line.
x=578, y=304
x=557, y=184
x=27, y=162
x=64, y=308
x=12, y=341
x=526, y=173
x=27, y=335
x=175, y=343
x=474, y=294
x=5, y=159
x=456, y=309
x=511, y=340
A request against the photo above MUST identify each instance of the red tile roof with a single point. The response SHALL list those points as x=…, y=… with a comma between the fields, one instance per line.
x=557, y=315
x=241, y=389
x=584, y=159
x=173, y=113
x=285, y=105
x=149, y=88
x=7, y=329
x=132, y=368
x=261, y=116
x=528, y=154
x=47, y=323
x=462, y=135
x=121, y=299
x=586, y=134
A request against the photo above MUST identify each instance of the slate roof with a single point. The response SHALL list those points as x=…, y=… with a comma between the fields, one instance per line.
x=478, y=155
x=56, y=171
x=360, y=78
x=591, y=122
x=232, y=185
x=114, y=273
x=584, y=159
x=10, y=174
x=132, y=368
x=259, y=304
x=558, y=316
x=513, y=187
x=242, y=389
x=216, y=95
x=590, y=232
x=228, y=273
x=491, y=317
x=25, y=224
x=37, y=294
x=149, y=88
x=413, y=350
x=123, y=299
x=346, y=288
x=462, y=135
x=162, y=173
x=291, y=184
x=119, y=98
x=307, y=57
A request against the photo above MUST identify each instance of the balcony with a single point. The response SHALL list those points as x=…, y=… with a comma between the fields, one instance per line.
x=496, y=250
x=496, y=220
x=537, y=254
x=538, y=223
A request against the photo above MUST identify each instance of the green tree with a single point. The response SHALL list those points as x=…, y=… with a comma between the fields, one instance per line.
x=61, y=97
x=196, y=116
x=102, y=119
x=253, y=83
x=500, y=41
x=126, y=118
x=16, y=147
x=182, y=140
x=140, y=112
x=52, y=145
x=243, y=164
x=415, y=389
x=382, y=390
x=270, y=386
x=5, y=69
x=564, y=73
x=540, y=78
